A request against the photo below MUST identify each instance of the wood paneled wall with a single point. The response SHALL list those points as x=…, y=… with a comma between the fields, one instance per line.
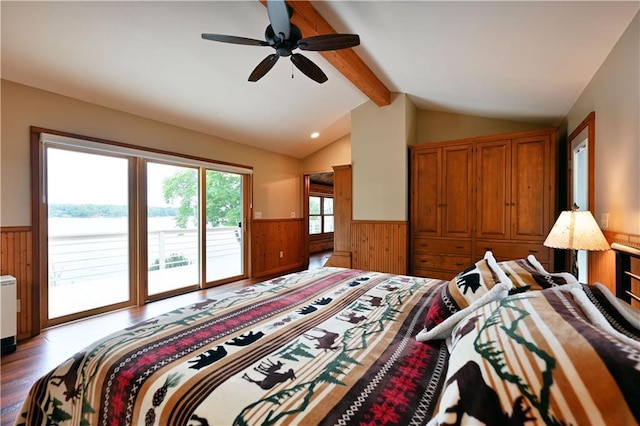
x=269, y=237
x=379, y=246
x=602, y=264
x=16, y=260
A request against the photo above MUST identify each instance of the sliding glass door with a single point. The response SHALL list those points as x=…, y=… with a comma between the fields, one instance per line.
x=173, y=250
x=87, y=232
x=224, y=236
x=125, y=226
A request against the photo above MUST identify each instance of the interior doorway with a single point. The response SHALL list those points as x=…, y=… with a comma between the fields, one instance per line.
x=319, y=212
x=581, y=177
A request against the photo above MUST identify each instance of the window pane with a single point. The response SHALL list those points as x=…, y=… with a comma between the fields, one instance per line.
x=172, y=227
x=328, y=224
x=314, y=205
x=88, y=231
x=314, y=225
x=328, y=205
x=224, y=234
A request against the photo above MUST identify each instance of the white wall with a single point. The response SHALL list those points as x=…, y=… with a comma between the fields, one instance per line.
x=614, y=95
x=379, y=139
x=337, y=153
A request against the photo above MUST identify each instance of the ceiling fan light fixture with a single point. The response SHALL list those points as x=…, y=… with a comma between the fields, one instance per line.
x=284, y=37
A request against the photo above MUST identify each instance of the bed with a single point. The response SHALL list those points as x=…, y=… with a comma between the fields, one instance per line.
x=501, y=343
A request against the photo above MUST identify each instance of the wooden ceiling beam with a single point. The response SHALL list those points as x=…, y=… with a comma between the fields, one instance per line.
x=346, y=61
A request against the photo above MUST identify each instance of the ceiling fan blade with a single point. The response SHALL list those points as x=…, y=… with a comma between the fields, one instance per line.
x=263, y=67
x=279, y=18
x=235, y=40
x=308, y=68
x=329, y=42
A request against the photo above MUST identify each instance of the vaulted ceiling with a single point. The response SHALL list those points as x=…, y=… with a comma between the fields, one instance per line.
x=524, y=61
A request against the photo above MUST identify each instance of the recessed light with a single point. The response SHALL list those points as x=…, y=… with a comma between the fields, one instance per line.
x=314, y=135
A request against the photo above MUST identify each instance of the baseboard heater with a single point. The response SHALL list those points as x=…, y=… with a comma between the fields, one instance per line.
x=8, y=316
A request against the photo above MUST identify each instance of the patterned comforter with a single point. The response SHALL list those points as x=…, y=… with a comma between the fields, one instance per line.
x=338, y=346
x=328, y=346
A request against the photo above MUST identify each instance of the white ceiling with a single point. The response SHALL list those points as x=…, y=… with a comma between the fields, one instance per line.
x=525, y=61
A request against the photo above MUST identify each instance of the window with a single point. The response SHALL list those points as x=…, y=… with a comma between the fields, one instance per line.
x=320, y=215
x=123, y=225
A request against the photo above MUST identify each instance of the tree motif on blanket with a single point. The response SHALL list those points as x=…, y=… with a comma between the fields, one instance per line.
x=303, y=393
x=495, y=357
x=472, y=386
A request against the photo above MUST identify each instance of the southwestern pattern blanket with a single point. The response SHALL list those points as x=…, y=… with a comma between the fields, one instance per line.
x=340, y=346
x=326, y=346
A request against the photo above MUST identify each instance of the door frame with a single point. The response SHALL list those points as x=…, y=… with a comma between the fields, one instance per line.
x=588, y=123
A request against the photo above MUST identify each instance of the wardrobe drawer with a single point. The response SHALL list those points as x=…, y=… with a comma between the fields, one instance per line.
x=441, y=261
x=434, y=273
x=441, y=245
x=506, y=251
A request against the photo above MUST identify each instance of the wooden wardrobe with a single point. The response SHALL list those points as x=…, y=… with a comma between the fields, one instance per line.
x=471, y=195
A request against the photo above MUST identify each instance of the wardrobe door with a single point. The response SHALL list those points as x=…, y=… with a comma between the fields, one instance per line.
x=493, y=194
x=426, y=192
x=457, y=184
x=530, y=192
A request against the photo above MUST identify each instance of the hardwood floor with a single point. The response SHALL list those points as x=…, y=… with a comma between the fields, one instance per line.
x=37, y=356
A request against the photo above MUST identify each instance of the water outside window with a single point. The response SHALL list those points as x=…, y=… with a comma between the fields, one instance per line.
x=88, y=232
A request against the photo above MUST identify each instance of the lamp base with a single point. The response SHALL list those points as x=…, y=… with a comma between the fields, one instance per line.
x=574, y=263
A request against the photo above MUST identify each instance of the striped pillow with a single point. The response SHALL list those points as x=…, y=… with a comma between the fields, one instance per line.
x=529, y=274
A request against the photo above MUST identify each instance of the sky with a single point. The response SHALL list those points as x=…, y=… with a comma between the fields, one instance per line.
x=81, y=178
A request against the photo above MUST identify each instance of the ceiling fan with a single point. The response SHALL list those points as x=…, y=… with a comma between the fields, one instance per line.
x=285, y=37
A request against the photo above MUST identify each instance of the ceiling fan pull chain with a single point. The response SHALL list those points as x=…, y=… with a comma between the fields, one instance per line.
x=291, y=70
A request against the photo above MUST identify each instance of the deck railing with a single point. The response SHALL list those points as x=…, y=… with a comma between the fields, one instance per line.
x=78, y=258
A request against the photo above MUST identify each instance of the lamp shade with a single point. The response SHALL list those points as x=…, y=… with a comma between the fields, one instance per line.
x=576, y=230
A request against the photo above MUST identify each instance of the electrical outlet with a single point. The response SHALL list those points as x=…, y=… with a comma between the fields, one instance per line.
x=604, y=220
x=293, y=214
x=257, y=215
x=281, y=254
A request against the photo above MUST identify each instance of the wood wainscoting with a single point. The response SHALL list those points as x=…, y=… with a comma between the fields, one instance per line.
x=269, y=238
x=379, y=246
x=17, y=260
x=602, y=264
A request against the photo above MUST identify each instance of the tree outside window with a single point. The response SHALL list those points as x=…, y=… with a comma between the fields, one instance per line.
x=320, y=215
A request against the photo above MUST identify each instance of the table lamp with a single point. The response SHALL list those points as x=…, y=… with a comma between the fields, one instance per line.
x=576, y=230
